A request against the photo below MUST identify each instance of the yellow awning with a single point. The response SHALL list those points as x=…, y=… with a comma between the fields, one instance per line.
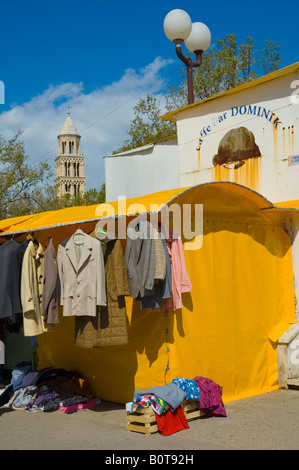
x=199, y=194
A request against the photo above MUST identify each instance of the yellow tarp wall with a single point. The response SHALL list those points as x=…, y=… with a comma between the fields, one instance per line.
x=242, y=302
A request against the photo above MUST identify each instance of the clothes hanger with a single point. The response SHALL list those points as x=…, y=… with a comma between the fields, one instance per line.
x=79, y=237
x=79, y=232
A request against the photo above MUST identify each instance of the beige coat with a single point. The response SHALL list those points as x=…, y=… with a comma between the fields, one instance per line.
x=81, y=275
x=32, y=278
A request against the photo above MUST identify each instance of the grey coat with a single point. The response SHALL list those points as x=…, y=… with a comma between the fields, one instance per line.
x=140, y=257
x=50, y=287
x=162, y=288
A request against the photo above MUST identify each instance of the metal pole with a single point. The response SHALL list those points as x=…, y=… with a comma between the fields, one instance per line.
x=189, y=66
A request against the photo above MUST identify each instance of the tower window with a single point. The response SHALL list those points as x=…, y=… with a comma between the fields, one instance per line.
x=71, y=147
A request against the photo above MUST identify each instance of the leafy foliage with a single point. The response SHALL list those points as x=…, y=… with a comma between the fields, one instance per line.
x=19, y=182
x=145, y=127
x=25, y=189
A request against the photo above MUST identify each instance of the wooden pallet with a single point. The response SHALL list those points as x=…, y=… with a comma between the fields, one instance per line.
x=144, y=419
x=191, y=409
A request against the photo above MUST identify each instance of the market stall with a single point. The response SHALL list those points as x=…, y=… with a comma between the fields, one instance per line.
x=239, y=302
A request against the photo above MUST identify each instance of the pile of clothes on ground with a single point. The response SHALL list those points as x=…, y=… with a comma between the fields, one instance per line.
x=166, y=401
x=47, y=390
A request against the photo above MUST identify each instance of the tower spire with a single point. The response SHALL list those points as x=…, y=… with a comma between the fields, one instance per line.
x=69, y=165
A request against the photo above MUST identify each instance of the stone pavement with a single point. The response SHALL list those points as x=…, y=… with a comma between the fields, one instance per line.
x=264, y=422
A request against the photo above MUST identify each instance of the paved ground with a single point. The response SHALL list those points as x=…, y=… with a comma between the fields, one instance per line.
x=265, y=422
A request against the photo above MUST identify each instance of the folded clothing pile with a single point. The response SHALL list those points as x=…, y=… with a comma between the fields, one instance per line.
x=48, y=390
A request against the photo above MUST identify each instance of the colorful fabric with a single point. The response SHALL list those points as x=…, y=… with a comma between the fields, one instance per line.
x=169, y=393
x=188, y=386
x=158, y=405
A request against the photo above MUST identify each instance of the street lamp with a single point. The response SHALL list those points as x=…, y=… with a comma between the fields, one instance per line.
x=178, y=27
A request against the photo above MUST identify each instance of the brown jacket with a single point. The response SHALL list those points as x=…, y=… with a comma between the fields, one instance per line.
x=110, y=327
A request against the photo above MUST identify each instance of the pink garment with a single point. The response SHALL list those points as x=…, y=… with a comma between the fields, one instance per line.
x=210, y=397
x=78, y=406
x=180, y=278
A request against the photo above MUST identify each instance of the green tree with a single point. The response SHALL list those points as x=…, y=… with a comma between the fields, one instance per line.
x=270, y=57
x=19, y=181
x=224, y=66
x=145, y=127
x=25, y=189
x=46, y=200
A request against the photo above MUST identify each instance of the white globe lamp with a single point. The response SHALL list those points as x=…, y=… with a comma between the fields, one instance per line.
x=199, y=39
x=177, y=25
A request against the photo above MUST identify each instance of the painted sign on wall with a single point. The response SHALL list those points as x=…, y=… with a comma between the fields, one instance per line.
x=250, y=138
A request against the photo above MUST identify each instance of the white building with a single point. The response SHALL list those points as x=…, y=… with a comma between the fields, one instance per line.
x=247, y=135
x=144, y=170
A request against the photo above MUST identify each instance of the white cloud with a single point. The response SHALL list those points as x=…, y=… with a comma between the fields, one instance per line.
x=102, y=117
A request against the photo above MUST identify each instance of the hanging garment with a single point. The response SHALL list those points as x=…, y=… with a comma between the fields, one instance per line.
x=180, y=279
x=160, y=257
x=32, y=278
x=172, y=421
x=11, y=258
x=210, y=397
x=50, y=287
x=81, y=274
x=140, y=257
x=162, y=288
x=110, y=326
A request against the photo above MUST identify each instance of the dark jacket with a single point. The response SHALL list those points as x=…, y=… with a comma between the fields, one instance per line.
x=50, y=287
x=11, y=257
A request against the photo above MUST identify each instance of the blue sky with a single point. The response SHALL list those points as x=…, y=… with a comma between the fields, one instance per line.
x=101, y=57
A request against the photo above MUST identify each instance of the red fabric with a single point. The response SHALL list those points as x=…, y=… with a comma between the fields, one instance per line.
x=172, y=421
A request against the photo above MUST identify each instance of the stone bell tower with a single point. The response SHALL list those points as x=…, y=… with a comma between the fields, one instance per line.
x=69, y=165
